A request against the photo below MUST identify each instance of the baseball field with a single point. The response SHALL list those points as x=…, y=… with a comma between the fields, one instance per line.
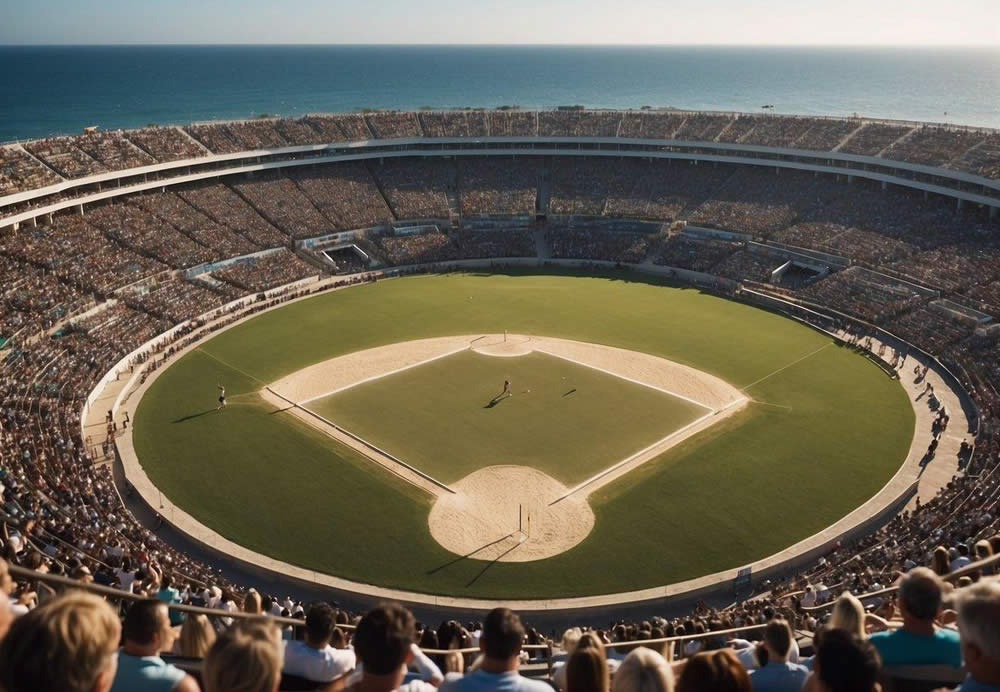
x=819, y=431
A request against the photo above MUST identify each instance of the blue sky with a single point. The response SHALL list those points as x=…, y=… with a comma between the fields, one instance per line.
x=864, y=22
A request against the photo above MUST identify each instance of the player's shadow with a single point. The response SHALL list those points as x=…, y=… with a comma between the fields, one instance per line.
x=194, y=415
x=460, y=558
x=494, y=401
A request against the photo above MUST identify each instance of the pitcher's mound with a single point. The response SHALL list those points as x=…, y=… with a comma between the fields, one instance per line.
x=481, y=520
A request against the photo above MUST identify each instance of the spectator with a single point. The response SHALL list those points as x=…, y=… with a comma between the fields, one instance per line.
x=197, y=636
x=587, y=670
x=245, y=658
x=644, y=670
x=168, y=594
x=962, y=559
x=778, y=675
x=314, y=659
x=919, y=640
x=66, y=644
x=979, y=627
x=146, y=632
x=844, y=663
x=383, y=643
x=500, y=645
x=714, y=671
x=848, y=615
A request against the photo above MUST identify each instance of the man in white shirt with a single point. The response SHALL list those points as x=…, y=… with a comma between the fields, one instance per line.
x=500, y=644
x=314, y=659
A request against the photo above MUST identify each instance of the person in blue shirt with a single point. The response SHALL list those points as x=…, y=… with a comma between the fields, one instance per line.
x=500, y=645
x=778, y=675
x=979, y=628
x=919, y=641
x=146, y=632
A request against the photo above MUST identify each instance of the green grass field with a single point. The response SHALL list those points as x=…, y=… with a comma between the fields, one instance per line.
x=826, y=435
x=567, y=420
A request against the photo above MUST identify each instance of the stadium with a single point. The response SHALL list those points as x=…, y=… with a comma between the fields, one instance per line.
x=586, y=364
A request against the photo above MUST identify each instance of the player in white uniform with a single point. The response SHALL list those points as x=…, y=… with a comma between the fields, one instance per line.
x=222, y=397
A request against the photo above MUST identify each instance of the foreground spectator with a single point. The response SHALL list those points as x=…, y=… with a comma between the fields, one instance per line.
x=500, y=645
x=147, y=632
x=315, y=659
x=778, y=675
x=844, y=662
x=197, y=636
x=587, y=671
x=644, y=670
x=383, y=643
x=714, y=671
x=919, y=641
x=245, y=658
x=67, y=644
x=979, y=626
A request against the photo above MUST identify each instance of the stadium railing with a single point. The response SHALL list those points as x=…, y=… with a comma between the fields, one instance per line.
x=989, y=563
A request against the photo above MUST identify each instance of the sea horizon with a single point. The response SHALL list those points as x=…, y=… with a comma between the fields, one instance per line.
x=129, y=85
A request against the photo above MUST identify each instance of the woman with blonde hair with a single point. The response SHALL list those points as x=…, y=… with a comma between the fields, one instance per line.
x=252, y=603
x=197, y=636
x=644, y=670
x=848, y=615
x=247, y=657
x=940, y=562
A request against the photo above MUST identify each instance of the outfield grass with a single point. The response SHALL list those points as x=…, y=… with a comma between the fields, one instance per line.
x=831, y=430
x=568, y=420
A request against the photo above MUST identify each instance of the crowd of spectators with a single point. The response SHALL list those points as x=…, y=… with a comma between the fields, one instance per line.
x=166, y=143
x=221, y=204
x=346, y=194
x=62, y=155
x=148, y=235
x=416, y=248
x=416, y=189
x=62, y=513
x=595, y=243
x=491, y=187
x=172, y=209
x=282, y=203
x=579, y=123
x=20, y=172
x=476, y=244
x=175, y=301
x=650, y=125
x=263, y=273
x=934, y=146
x=873, y=138
x=393, y=124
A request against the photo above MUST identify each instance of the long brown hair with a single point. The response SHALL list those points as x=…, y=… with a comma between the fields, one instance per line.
x=714, y=671
x=587, y=671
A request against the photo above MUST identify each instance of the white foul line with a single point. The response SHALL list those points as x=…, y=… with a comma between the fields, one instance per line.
x=601, y=474
x=628, y=379
x=808, y=355
x=382, y=374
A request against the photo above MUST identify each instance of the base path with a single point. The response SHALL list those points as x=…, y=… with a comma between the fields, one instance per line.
x=506, y=513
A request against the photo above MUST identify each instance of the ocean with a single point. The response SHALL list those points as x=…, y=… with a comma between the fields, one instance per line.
x=49, y=90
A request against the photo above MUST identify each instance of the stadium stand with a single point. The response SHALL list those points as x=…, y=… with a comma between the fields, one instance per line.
x=85, y=290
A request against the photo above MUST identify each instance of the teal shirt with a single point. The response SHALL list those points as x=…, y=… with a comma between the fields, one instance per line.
x=902, y=648
x=145, y=674
x=169, y=596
